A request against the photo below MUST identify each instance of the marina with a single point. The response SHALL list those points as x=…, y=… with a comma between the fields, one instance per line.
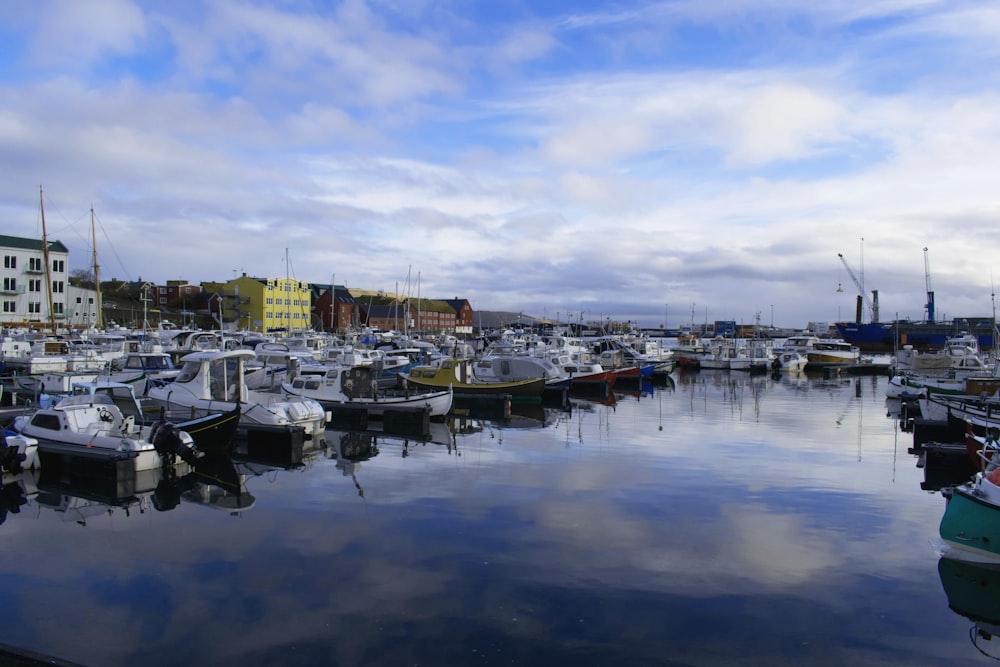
x=716, y=518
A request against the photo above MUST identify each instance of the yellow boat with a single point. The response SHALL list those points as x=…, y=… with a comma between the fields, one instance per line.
x=457, y=373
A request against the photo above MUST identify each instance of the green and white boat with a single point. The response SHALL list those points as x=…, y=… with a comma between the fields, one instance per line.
x=970, y=526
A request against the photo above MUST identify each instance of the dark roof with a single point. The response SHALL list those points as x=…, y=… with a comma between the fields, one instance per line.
x=30, y=244
x=343, y=296
x=376, y=310
x=456, y=303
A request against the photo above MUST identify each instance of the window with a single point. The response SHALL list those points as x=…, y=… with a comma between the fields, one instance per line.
x=57, y=308
x=34, y=263
x=58, y=265
x=35, y=307
x=9, y=262
x=10, y=284
x=79, y=300
x=10, y=306
x=57, y=287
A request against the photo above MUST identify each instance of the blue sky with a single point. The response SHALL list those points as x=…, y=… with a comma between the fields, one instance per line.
x=702, y=159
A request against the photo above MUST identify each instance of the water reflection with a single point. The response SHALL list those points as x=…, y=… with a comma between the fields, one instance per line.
x=725, y=512
x=973, y=591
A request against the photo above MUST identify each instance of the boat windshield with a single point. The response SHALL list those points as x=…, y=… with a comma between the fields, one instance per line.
x=189, y=371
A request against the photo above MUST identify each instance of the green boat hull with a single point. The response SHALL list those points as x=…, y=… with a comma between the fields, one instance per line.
x=970, y=523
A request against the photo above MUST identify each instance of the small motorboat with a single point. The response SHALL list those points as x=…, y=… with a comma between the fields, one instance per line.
x=92, y=426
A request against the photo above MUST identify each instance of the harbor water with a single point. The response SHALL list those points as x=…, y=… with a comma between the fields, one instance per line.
x=720, y=519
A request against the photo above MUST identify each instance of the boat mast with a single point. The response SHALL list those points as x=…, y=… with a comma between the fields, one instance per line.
x=48, y=264
x=97, y=273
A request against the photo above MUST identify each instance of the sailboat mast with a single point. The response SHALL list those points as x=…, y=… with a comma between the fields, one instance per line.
x=97, y=273
x=48, y=263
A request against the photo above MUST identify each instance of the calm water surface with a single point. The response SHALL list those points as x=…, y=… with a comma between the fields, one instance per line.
x=721, y=520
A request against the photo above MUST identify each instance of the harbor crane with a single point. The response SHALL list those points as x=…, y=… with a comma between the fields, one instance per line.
x=930, y=291
x=871, y=301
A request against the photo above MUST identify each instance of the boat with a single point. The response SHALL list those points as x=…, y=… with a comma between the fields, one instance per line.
x=960, y=354
x=916, y=386
x=212, y=381
x=91, y=426
x=895, y=335
x=212, y=432
x=970, y=526
x=357, y=386
x=457, y=373
x=832, y=354
x=146, y=369
x=689, y=351
x=789, y=361
x=506, y=364
x=583, y=375
x=982, y=408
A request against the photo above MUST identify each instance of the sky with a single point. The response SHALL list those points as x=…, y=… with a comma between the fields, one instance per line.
x=659, y=162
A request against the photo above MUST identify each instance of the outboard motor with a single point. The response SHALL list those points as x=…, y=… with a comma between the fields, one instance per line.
x=168, y=440
x=11, y=458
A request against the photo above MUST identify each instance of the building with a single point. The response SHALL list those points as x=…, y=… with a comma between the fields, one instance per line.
x=264, y=304
x=334, y=309
x=387, y=317
x=463, y=315
x=176, y=291
x=28, y=286
x=81, y=308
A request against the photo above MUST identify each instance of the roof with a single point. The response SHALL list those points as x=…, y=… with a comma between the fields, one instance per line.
x=30, y=244
x=376, y=310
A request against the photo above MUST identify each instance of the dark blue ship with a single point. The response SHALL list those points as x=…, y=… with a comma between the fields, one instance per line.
x=922, y=335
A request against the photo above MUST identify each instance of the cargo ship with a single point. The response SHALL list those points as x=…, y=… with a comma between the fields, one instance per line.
x=922, y=335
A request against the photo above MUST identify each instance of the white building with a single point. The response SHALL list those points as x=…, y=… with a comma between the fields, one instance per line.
x=24, y=295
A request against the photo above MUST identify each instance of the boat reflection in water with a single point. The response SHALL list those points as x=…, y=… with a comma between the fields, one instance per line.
x=80, y=494
x=973, y=591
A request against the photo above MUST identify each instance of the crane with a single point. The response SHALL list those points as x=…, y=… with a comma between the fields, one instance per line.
x=930, y=291
x=872, y=305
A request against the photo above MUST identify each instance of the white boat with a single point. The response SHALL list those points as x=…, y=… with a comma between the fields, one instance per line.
x=213, y=381
x=146, y=369
x=507, y=364
x=960, y=353
x=789, y=361
x=92, y=426
x=340, y=386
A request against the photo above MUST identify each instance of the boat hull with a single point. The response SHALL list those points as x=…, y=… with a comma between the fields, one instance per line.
x=890, y=336
x=971, y=525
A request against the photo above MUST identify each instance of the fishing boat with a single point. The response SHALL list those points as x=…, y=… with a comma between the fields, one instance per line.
x=970, y=526
x=357, y=386
x=457, y=373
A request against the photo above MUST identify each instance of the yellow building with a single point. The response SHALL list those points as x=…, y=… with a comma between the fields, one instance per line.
x=265, y=304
